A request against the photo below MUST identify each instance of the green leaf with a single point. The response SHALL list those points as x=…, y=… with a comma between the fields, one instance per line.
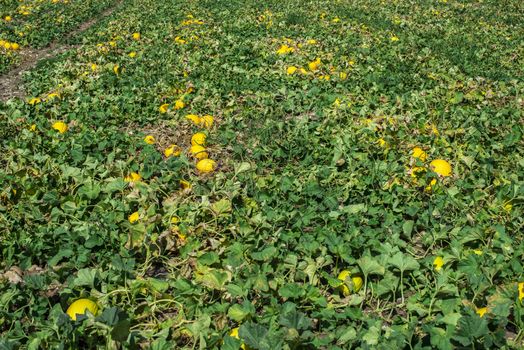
x=86, y=277
x=236, y=290
x=354, y=208
x=137, y=234
x=260, y=283
x=212, y=278
x=119, y=322
x=470, y=328
x=239, y=312
x=296, y=320
x=457, y=98
x=64, y=253
x=254, y=335
x=121, y=330
x=230, y=343
x=451, y=319
x=69, y=171
x=370, y=266
x=440, y=339
x=200, y=326
x=265, y=255
x=371, y=336
x=242, y=167
x=158, y=285
x=291, y=290
x=110, y=316
x=258, y=337
x=222, y=206
x=91, y=190
x=208, y=258
x=161, y=344
x=114, y=185
x=348, y=334
x=387, y=284
x=69, y=207
x=407, y=228
x=404, y=262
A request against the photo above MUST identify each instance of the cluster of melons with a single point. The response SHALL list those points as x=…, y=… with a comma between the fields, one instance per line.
x=9, y=46
x=198, y=144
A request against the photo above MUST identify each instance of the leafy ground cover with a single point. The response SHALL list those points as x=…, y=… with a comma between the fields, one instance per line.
x=37, y=23
x=328, y=217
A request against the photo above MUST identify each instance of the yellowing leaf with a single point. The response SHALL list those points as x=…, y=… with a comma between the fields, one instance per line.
x=222, y=206
x=212, y=278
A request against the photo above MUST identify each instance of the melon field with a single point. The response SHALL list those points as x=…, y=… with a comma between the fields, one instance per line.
x=264, y=175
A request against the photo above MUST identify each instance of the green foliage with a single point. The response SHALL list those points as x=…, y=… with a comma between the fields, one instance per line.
x=36, y=24
x=315, y=176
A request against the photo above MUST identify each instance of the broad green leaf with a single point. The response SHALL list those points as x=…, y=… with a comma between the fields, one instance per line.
x=260, y=283
x=296, y=320
x=208, y=258
x=90, y=190
x=265, y=255
x=291, y=290
x=86, y=277
x=371, y=337
x=236, y=290
x=470, y=328
x=64, y=253
x=451, y=319
x=354, y=208
x=201, y=325
x=370, y=266
x=239, y=312
x=259, y=337
x=440, y=339
x=407, y=228
x=403, y=262
x=222, y=206
x=212, y=278
x=347, y=335
x=242, y=167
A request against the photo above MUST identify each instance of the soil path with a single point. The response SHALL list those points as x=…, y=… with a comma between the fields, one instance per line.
x=11, y=83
